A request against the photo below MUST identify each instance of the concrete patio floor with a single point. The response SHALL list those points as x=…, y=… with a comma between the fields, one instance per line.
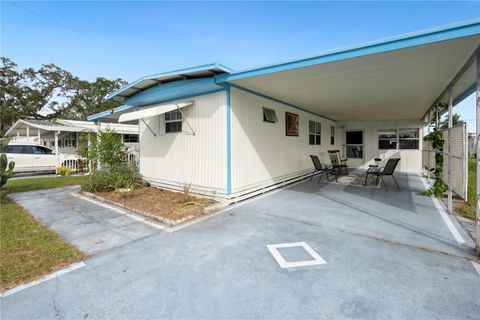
x=389, y=255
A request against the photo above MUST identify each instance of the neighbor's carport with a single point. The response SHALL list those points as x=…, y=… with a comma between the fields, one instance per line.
x=398, y=78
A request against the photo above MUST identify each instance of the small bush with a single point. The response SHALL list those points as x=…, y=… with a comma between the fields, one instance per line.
x=186, y=192
x=65, y=171
x=121, y=176
x=437, y=190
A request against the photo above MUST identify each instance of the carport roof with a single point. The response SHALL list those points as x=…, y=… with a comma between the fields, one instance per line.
x=394, y=78
x=45, y=126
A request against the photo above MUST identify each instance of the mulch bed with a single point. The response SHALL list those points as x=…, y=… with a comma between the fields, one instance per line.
x=167, y=206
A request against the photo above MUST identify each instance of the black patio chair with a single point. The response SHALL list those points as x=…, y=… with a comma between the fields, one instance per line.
x=338, y=163
x=388, y=170
x=321, y=168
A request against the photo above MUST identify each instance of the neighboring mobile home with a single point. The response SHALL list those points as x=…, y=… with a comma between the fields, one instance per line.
x=237, y=134
x=43, y=132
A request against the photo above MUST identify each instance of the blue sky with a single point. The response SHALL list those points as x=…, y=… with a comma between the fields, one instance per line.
x=133, y=39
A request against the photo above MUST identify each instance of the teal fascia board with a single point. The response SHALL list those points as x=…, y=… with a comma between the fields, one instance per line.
x=106, y=113
x=171, y=73
x=173, y=91
x=454, y=31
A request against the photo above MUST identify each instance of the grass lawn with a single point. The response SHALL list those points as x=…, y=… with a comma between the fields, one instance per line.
x=28, y=249
x=31, y=184
x=468, y=209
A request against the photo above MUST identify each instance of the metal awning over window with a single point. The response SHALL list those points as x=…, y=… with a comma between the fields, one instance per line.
x=153, y=111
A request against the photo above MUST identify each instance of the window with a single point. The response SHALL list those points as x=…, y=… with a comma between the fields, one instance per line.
x=19, y=149
x=332, y=135
x=173, y=121
x=314, y=133
x=41, y=150
x=387, y=139
x=130, y=138
x=354, y=144
x=408, y=138
x=269, y=115
x=68, y=140
x=398, y=139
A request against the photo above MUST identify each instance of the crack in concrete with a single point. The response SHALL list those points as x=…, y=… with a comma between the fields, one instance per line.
x=391, y=242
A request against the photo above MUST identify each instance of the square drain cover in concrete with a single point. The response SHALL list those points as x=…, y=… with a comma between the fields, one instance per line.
x=293, y=255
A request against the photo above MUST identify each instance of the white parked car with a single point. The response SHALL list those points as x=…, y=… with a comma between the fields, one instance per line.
x=29, y=157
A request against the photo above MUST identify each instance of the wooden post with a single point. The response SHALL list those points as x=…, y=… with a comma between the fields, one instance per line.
x=449, y=150
x=477, y=242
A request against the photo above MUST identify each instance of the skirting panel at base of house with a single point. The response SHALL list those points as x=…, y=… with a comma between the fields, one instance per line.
x=220, y=195
x=198, y=190
x=267, y=185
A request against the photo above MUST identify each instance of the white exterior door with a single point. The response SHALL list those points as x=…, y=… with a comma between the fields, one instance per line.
x=354, y=148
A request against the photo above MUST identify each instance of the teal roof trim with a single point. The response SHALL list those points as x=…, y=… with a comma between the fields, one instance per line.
x=105, y=113
x=173, y=90
x=205, y=67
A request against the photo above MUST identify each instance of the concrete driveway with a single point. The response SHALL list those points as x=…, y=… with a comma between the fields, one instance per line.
x=389, y=255
x=91, y=227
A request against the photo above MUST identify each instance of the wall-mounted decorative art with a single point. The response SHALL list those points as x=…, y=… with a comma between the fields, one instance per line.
x=291, y=124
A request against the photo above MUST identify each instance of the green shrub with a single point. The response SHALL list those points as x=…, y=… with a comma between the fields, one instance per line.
x=121, y=176
x=104, y=149
x=65, y=171
x=439, y=187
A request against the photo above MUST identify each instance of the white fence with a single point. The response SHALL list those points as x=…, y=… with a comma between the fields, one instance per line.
x=459, y=159
x=80, y=165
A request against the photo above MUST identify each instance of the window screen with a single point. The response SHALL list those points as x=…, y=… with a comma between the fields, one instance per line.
x=173, y=121
x=408, y=138
x=314, y=133
x=130, y=138
x=354, y=137
x=269, y=115
x=387, y=139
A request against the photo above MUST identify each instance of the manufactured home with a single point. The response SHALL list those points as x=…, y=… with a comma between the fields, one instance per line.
x=66, y=133
x=235, y=134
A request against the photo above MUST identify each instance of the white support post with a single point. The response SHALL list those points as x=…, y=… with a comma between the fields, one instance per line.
x=477, y=242
x=28, y=134
x=88, y=148
x=449, y=150
x=56, y=149
x=38, y=136
x=99, y=127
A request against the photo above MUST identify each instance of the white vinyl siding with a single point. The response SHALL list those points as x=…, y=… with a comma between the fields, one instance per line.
x=261, y=152
x=175, y=159
x=410, y=159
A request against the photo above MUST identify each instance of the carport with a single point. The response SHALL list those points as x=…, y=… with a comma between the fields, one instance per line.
x=402, y=78
x=379, y=255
